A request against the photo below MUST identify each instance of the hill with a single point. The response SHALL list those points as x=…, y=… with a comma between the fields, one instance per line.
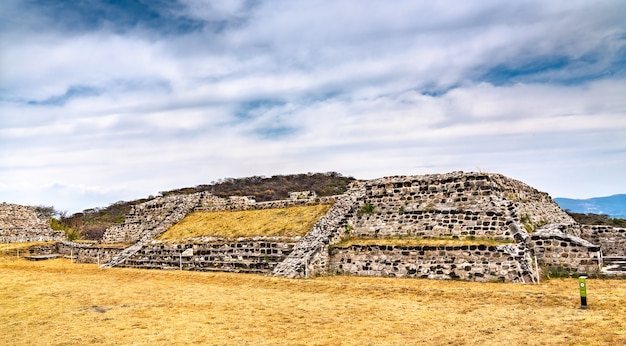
x=613, y=206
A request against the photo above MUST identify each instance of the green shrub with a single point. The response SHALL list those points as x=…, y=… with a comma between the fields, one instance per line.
x=72, y=234
x=56, y=225
x=368, y=208
x=349, y=228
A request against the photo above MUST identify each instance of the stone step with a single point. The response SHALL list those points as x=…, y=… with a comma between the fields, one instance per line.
x=614, y=265
x=212, y=255
x=42, y=257
x=131, y=262
x=205, y=269
x=612, y=261
x=249, y=267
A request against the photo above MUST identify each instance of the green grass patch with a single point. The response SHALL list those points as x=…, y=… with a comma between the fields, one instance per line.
x=289, y=222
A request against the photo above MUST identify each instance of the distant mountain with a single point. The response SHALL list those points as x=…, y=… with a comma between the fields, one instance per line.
x=614, y=206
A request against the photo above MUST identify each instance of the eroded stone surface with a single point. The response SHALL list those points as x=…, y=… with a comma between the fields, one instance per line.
x=450, y=206
x=20, y=223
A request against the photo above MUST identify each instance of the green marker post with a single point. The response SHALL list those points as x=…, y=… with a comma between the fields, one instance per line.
x=582, y=284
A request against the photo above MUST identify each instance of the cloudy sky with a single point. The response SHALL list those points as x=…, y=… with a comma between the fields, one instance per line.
x=102, y=101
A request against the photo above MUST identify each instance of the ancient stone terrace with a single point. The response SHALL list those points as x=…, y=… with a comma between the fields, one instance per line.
x=22, y=224
x=460, y=206
x=500, y=225
x=150, y=219
x=256, y=255
x=455, y=205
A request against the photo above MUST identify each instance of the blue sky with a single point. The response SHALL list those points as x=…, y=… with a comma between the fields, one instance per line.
x=102, y=101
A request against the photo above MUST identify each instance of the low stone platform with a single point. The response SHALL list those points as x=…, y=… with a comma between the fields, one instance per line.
x=42, y=257
x=501, y=263
x=259, y=256
x=614, y=265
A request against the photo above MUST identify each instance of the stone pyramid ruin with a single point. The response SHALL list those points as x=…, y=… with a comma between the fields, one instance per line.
x=468, y=226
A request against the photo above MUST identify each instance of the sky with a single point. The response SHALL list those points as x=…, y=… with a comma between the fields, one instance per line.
x=104, y=101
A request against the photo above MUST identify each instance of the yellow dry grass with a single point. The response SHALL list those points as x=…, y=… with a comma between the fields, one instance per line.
x=292, y=221
x=57, y=302
x=348, y=241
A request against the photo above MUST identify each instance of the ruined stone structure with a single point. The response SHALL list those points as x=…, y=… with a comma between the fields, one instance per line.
x=256, y=255
x=157, y=215
x=310, y=255
x=88, y=253
x=22, y=224
x=481, y=208
x=612, y=240
x=449, y=206
x=556, y=248
x=504, y=263
x=151, y=218
x=456, y=205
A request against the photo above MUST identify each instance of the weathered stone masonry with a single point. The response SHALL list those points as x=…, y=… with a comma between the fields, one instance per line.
x=310, y=254
x=457, y=205
x=469, y=262
x=450, y=206
x=88, y=253
x=21, y=224
x=258, y=255
x=612, y=240
x=555, y=248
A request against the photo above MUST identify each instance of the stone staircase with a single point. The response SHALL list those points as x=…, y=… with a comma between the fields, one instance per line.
x=313, y=247
x=614, y=265
x=175, y=216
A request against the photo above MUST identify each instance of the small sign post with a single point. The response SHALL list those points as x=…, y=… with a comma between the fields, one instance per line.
x=582, y=283
x=186, y=253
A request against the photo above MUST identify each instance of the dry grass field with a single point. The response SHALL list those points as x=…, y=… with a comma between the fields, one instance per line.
x=57, y=302
x=291, y=221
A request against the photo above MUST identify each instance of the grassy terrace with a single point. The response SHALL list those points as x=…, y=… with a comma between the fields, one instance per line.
x=291, y=222
x=57, y=302
x=410, y=241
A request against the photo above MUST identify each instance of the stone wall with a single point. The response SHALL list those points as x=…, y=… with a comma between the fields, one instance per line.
x=209, y=202
x=44, y=249
x=151, y=217
x=455, y=205
x=503, y=263
x=537, y=206
x=612, y=240
x=256, y=255
x=310, y=255
x=148, y=216
x=88, y=253
x=434, y=224
x=22, y=224
x=555, y=248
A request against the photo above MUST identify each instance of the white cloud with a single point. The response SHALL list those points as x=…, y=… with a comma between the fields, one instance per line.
x=529, y=89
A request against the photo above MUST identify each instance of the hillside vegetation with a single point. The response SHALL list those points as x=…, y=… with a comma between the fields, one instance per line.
x=57, y=302
x=289, y=222
x=273, y=188
x=91, y=223
x=597, y=219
